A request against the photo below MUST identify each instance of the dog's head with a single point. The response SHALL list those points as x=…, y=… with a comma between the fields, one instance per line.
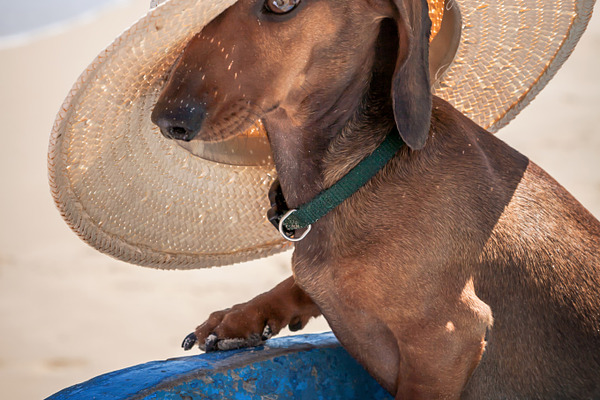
x=309, y=60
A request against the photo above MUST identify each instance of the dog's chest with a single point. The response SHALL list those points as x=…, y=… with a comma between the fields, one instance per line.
x=337, y=284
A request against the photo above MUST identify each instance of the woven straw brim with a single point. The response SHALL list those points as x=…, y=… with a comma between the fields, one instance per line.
x=141, y=198
x=508, y=52
x=134, y=195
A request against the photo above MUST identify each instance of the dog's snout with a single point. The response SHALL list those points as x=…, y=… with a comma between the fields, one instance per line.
x=180, y=123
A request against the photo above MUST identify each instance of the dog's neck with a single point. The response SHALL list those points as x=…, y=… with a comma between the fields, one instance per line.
x=312, y=160
x=360, y=137
x=339, y=133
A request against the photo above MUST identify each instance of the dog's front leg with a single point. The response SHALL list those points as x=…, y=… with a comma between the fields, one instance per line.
x=442, y=347
x=249, y=324
x=437, y=366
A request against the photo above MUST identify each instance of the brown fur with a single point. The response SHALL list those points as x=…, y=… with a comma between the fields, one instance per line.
x=461, y=270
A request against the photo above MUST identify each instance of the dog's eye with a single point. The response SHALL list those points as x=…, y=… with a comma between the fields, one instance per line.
x=281, y=6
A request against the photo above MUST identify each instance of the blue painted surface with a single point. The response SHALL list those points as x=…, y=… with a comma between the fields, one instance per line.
x=295, y=367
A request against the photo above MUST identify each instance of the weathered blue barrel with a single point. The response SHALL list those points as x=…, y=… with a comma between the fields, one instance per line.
x=295, y=367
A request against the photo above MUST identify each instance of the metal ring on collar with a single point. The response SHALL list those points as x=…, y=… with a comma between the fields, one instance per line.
x=282, y=232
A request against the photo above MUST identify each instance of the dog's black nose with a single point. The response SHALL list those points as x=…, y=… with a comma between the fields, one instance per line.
x=180, y=123
x=175, y=131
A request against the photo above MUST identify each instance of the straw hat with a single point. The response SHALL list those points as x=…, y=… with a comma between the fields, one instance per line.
x=131, y=193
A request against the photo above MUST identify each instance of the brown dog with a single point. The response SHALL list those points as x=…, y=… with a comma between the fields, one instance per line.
x=461, y=270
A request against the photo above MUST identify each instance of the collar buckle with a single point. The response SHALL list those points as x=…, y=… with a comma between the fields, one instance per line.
x=279, y=212
x=286, y=232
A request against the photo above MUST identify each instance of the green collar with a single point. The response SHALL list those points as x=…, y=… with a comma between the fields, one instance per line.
x=288, y=221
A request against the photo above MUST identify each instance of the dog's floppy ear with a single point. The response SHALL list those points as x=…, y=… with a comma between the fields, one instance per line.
x=411, y=92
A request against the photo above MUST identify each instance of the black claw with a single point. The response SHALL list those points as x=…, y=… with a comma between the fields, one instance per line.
x=189, y=341
x=266, y=334
x=295, y=326
x=210, y=343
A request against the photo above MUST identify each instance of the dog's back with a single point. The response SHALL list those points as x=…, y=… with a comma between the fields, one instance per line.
x=539, y=271
x=543, y=260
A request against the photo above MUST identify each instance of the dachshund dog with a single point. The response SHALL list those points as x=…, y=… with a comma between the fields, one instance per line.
x=461, y=270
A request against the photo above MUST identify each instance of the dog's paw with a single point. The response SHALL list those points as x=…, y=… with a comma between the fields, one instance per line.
x=238, y=327
x=251, y=323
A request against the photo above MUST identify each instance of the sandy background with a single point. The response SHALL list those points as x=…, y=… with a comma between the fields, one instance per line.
x=68, y=313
